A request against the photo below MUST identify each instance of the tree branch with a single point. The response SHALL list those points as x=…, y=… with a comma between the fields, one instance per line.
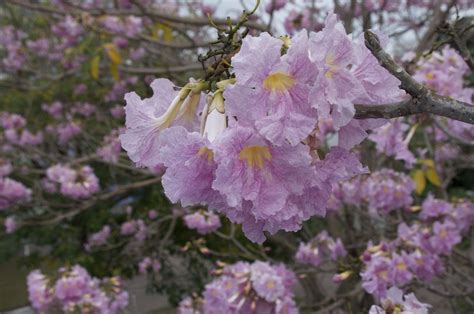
x=163, y=70
x=89, y=204
x=195, y=21
x=423, y=100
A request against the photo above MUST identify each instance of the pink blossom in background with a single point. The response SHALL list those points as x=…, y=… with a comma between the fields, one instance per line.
x=321, y=248
x=12, y=193
x=137, y=228
x=84, y=109
x=40, y=46
x=39, y=292
x=82, y=185
x=275, y=5
x=75, y=289
x=117, y=111
x=270, y=286
x=296, y=21
x=5, y=167
x=10, y=224
x=204, y=222
x=65, y=131
x=386, y=190
x=149, y=263
x=128, y=227
x=389, y=140
x=396, y=299
x=80, y=89
x=111, y=147
x=99, y=238
x=152, y=214
x=55, y=109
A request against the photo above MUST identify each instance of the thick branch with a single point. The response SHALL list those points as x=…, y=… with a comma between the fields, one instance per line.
x=438, y=105
x=409, y=84
x=423, y=100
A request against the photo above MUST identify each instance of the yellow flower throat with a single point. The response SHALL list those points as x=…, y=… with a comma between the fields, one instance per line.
x=278, y=82
x=255, y=156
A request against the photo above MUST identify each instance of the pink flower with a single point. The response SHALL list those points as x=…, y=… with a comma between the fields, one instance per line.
x=99, y=238
x=110, y=148
x=252, y=288
x=375, y=278
x=12, y=193
x=275, y=5
x=308, y=253
x=204, y=222
x=336, y=87
x=5, y=167
x=82, y=185
x=152, y=214
x=147, y=118
x=149, y=263
x=445, y=236
x=271, y=93
x=190, y=168
x=395, y=299
x=55, y=109
x=296, y=21
x=10, y=224
x=389, y=141
x=257, y=178
x=39, y=292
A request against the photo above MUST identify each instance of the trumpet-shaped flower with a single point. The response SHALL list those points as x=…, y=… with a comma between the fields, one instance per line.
x=336, y=87
x=190, y=167
x=147, y=118
x=250, y=169
x=271, y=93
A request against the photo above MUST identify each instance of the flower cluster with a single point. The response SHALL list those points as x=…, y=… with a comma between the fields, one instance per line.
x=137, y=228
x=76, y=184
x=247, y=288
x=10, y=39
x=417, y=250
x=15, y=131
x=110, y=148
x=321, y=247
x=12, y=192
x=380, y=192
x=204, y=222
x=251, y=158
x=443, y=72
x=64, y=131
x=397, y=302
x=149, y=263
x=389, y=140
x=99, y=238
x=76, y=291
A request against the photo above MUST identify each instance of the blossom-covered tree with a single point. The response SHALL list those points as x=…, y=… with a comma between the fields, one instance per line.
x=297, y=156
